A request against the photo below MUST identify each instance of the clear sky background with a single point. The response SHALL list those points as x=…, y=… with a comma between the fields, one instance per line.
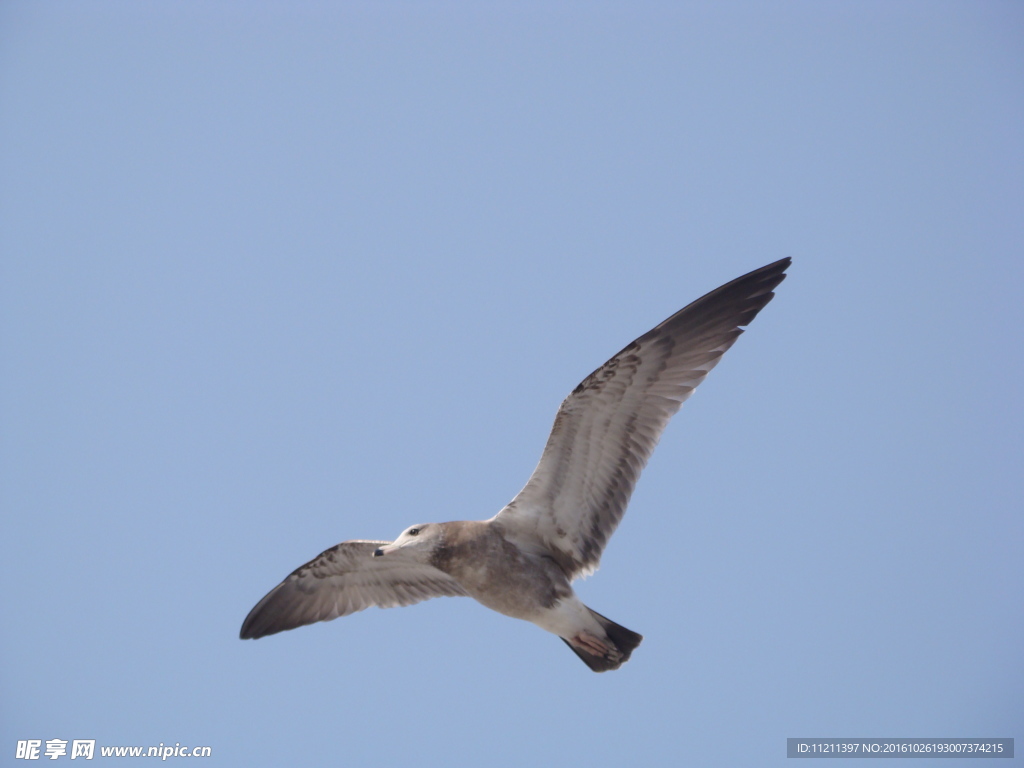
x=274, y=277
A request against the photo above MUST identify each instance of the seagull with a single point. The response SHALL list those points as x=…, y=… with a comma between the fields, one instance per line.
x=522, y=561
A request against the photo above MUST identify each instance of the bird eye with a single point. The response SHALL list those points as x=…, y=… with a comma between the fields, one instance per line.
x=414, y=531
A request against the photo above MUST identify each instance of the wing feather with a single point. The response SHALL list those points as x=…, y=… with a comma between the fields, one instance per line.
x=341, y=580
x=607, y=428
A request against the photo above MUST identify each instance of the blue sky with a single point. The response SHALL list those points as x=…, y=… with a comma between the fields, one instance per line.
x=275, y=277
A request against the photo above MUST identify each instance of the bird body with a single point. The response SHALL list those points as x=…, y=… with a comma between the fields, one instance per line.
x=522, y=561
x=496, y=572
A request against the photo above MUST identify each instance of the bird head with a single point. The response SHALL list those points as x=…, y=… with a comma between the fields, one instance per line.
x=417, y=541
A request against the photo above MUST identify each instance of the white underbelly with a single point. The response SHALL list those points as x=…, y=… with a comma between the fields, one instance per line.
x=567, y=618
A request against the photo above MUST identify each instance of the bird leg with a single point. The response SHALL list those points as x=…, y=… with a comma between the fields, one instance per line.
x=595, y=646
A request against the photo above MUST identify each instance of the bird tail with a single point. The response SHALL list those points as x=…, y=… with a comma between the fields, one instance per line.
x=609, y=652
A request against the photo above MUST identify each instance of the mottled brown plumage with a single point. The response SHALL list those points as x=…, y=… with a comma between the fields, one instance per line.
x=522, y=561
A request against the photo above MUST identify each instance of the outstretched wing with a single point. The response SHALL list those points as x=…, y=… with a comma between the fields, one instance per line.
x=345, y=579
x=606, y=430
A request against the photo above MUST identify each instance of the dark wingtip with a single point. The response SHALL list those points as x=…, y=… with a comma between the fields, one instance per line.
x=252, y=629
x=768, y=276
x=259, y=622
x=247, y=632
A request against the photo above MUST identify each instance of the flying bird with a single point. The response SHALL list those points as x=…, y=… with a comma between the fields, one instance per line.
x=522, y=561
